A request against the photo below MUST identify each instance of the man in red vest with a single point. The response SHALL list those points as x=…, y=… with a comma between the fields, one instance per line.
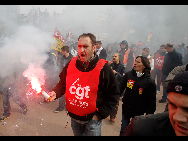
x=158, y=64
x=90, y=88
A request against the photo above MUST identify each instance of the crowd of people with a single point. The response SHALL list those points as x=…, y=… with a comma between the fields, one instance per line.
x=92, y=79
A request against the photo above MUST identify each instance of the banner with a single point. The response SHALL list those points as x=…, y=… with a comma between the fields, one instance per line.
x=59, y=40
x=150, y=35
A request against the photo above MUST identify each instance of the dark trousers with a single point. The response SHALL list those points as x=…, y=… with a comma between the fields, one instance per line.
x=125, y=122
x=158, y=73
x=6, y=94
x=114, y=112
x=165, y=94
x=62, y=104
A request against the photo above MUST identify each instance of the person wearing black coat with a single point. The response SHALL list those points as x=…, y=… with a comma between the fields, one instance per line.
x=101, y=52
x=172, y=60
x=119, y=71
x=140, y=92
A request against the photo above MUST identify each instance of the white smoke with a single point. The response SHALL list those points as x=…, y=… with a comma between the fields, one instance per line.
x=28, y=45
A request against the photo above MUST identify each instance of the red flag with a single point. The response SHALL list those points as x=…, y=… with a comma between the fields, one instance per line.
x=58, y=35
x=150, y=33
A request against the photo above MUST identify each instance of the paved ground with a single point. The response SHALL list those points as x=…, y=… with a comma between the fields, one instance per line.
x=42, y=121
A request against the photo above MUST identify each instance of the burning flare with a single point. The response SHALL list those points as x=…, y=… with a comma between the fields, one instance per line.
x=36, y=77
x=35, y=84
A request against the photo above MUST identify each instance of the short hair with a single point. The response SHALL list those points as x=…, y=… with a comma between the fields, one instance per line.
x=65, y=48
x=146, y=49
x=162, y=46
x=170, y=45
x=117, y=54
x=99, y=42
x=90, y=35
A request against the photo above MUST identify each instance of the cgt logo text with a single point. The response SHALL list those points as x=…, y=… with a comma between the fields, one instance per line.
x=79, y=91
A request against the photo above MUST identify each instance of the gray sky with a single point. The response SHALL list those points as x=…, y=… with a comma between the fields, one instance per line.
x=24, y=9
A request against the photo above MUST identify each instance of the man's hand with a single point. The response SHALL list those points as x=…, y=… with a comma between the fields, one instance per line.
x=95, y=117
x=110, y=62
x=114, y=71
x=52, y=95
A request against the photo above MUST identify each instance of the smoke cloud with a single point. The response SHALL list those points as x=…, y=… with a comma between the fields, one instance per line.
x=109, y=23
x=27, y=46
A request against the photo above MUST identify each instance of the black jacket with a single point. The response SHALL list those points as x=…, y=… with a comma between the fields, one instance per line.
x=120, y=69
x=141, y=97
x=151, y=125
x=63, y=61
x=103, y=54
x=107, y=95
x=172, y=60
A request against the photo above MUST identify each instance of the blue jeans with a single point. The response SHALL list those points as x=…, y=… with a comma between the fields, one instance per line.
x=165, y=94
x=91, y=128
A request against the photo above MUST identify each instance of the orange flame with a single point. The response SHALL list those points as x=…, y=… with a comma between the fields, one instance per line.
x=36, y=85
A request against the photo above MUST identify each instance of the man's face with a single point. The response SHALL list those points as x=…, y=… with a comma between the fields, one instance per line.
x=162, y=49
x=63, y=52
x=167, y=48
x=122, y=45
x=98, y=45
x=144, y=52
x=115, y=58
x=178, y=112
x=85, y=48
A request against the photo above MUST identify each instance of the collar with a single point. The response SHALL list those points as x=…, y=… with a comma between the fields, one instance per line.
x=86, y=64
x=100, y=49
x=139, y=74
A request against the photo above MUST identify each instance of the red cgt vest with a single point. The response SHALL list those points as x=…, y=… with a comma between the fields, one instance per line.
x=81, y=88
x=158, y=61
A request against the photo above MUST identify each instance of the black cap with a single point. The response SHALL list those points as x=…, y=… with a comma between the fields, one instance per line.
x=179, y=84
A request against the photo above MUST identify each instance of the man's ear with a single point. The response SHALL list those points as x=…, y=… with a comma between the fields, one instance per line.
x=94, y=48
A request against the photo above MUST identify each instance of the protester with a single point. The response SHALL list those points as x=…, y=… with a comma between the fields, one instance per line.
x=169, y=123
x=172, y=74
x=172, y=60
x=119, y=70
x=158, y=64
x=101, y=52
x=51, y=71
x=140, y=92
x=86, y=79
x=64, y=59
x=135, y=50
x=109, y=53
x=180, y=50
x=185, y=59
x=127, y=57
x=146, y=53
x=9, y=87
